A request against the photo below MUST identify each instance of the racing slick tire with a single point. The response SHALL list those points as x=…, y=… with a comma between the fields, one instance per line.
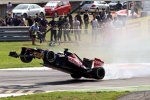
x=75, y=76
x=50, y=56
x=25, y=56
x=98, y=73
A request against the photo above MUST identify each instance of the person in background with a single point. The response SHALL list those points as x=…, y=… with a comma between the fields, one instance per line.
x=76, y=27
x=98, y=17
x=30, y=21
x=78, y=16
x=100, y=21
x=71, y=22
x=9, y=8
x=16, y=21
x=43, y=26
x=118, y=6
x=86, y=20
x=103, y=16
x=109, y=17
x=53, y=26
x=33, y=32
x=60, y=27
x=66, y=27
x=22, y=19
x=37, y=18
x=9, y=20
x=95, y=26
x=132, y=9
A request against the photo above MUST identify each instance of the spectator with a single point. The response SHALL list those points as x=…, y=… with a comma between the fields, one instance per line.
x=33, y=32
x=22, y=19
x=98, y=17
x=16, y=21
x=76, y=27
x=30, y=21
x=103, y=16
x=37, y=18
x=53, y=25
x=71, y=22
x=86, y=21
x=9, y=20
x=95, y=26
x=66, y=27
x=132, y=9
x=109, y=17
x=9, y=8
x=60, y=27
x=78, y=16
x=118, y=6
x=43, y=25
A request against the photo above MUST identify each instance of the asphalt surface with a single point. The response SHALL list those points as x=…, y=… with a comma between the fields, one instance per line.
x=140, y=95
x=35, y=81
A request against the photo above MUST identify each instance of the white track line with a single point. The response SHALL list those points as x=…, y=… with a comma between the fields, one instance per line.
x=12, y=95
x=33, y=68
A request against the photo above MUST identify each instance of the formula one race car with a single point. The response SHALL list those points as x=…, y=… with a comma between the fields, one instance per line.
x=67, y=62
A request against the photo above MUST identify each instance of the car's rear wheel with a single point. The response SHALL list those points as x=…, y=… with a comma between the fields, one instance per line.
x=98, y=73
x=75, y=76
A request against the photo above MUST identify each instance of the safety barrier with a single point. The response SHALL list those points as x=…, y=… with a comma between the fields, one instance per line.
x=14, y=33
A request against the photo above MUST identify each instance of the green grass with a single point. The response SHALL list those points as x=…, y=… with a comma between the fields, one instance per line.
x=9, y=62
x=70, y=96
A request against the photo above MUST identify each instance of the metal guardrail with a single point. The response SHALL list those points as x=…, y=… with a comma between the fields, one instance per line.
x=14, y=33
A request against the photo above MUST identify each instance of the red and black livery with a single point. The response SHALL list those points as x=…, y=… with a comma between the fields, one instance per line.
x=67, y=62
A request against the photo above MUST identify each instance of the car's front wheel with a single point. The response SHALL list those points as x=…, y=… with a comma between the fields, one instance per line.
x=50, y=56
x=25, y=56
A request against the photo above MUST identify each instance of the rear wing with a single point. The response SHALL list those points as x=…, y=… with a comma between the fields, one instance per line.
x=97, y=62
